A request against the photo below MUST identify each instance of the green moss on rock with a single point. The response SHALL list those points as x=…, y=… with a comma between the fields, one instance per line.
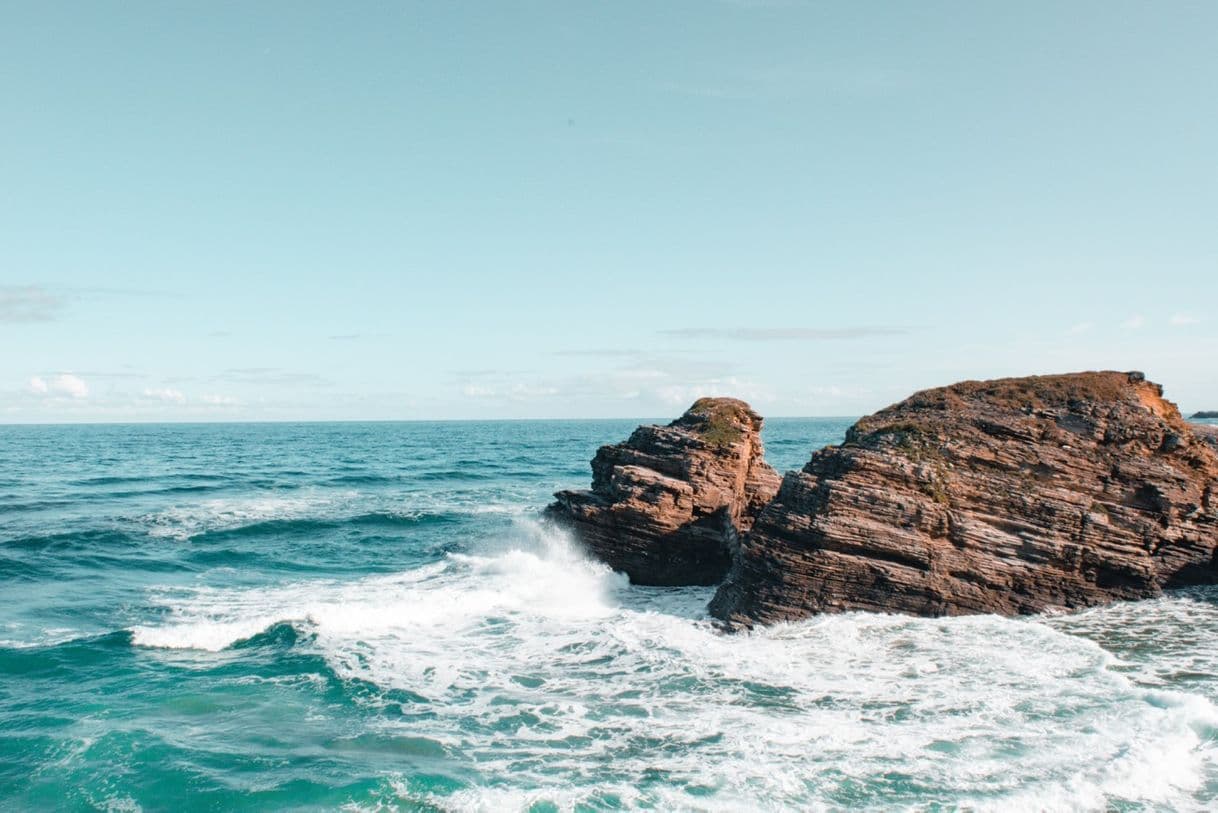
x=718, y=421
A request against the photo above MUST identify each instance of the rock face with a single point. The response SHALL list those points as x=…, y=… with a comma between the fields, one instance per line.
x=668, y=505
x=1009, y=496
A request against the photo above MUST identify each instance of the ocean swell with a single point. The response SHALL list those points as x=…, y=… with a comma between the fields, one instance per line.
x=328, y=630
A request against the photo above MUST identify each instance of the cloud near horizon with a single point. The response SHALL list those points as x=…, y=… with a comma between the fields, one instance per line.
x=64, y=385
x=29, y=303
x=658, y=383
x=69, y=391
x=270, y=376
x=166, y=394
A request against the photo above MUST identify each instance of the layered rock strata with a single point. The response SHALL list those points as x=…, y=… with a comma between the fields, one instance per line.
x=668, y=506
x=1010, y=496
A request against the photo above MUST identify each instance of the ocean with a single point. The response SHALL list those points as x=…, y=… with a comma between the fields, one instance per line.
x=369, y=616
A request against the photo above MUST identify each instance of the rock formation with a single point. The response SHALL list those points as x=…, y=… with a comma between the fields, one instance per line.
x=1008, y=496
x=1208, y=434
x=667, y=506
x=1205, y=414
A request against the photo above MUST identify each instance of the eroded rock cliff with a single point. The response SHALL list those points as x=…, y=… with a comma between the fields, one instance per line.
x=668, y=505
x=1008, y=496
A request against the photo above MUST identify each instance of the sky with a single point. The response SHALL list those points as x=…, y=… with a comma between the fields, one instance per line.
x=398, y=210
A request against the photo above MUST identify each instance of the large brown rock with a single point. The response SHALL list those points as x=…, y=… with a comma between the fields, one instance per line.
x=1009, y=496
x=668, y=505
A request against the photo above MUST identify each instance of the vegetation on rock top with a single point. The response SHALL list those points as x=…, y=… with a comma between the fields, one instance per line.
x=719, y=420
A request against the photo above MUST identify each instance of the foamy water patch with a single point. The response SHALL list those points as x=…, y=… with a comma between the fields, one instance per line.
x=1188, y=656
x=559, y=683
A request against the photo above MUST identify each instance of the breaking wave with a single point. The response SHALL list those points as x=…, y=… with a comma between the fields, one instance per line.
x=533, y=663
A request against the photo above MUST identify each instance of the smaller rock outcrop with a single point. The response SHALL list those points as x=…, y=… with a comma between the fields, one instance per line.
x=667, y=506
x=1205, y=414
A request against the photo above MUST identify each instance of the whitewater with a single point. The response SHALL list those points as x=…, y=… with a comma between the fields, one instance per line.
x=371, y=617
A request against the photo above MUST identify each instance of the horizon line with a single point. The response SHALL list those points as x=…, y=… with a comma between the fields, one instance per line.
x=381, y=420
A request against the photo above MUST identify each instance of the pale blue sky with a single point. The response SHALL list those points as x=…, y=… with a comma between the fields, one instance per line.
x=465, y=210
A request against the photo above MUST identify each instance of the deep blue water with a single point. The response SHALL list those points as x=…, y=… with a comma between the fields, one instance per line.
x=369, y=616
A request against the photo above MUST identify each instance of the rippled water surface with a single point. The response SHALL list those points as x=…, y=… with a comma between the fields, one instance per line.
x=369, y=617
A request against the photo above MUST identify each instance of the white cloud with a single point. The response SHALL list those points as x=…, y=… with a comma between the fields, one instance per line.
x=685, y=393
x=1134, y=322
x=655, y=382
x=524, y=392
x=70, y=385
x=514, y=392
x=220, y=400
x=166, y=394
x=64, y=385
x=640, y=375
x=1179, y=319
x=28, y=303
x=1081, y=327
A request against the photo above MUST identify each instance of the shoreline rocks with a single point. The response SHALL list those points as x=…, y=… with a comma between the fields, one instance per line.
x=668, y=506
x=1010, y=496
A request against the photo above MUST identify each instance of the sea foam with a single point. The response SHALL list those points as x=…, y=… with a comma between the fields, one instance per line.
x=531, y=662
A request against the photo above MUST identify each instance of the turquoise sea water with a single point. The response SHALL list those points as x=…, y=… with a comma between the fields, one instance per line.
x=370, y=617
